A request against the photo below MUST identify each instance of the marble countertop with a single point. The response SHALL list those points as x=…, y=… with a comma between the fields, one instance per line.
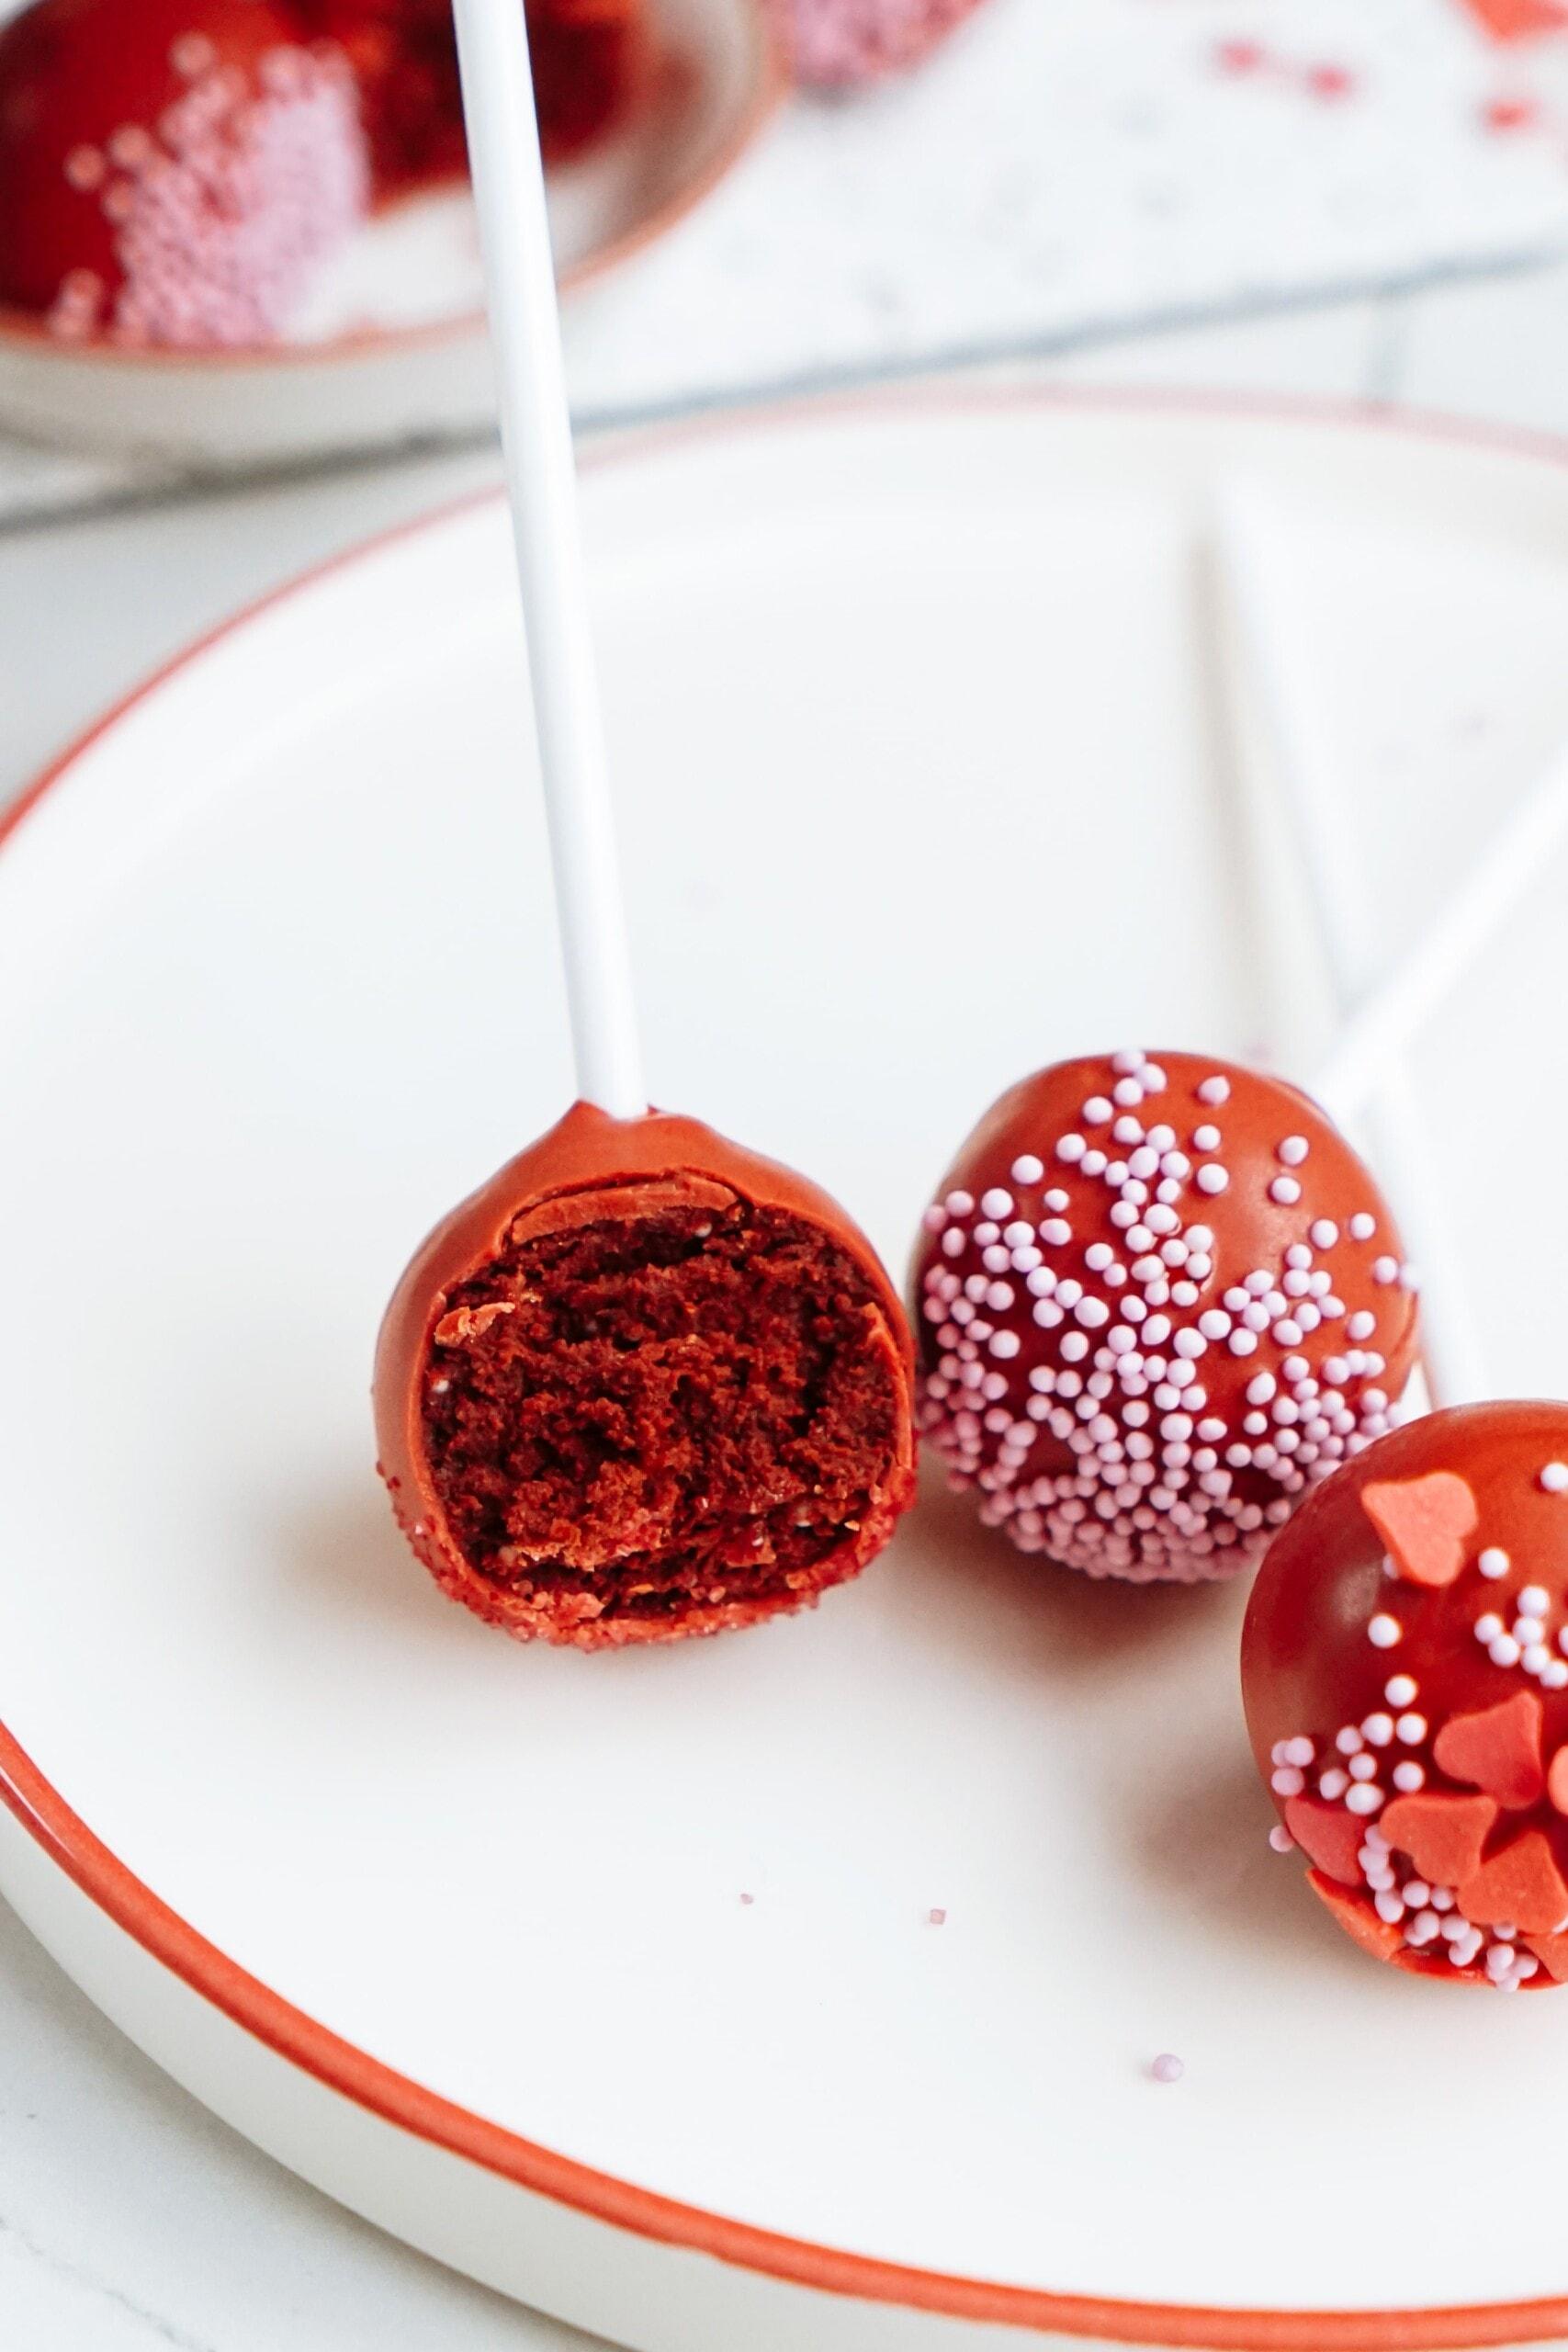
x=128, y=2218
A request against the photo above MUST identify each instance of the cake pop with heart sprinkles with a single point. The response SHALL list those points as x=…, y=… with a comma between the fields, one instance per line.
x=1404, y=1665
x=1156, y=1298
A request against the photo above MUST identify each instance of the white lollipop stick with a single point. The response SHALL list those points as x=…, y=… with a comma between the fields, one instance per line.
x=1329, y=859
x=1395, y=1013
x=535, y=433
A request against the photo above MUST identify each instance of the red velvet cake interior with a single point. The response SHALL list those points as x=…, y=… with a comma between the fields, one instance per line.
x=660, y=1394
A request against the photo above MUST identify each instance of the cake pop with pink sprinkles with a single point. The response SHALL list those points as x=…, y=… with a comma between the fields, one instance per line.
x=173, y=173
x=1157, y=1298
x=836, y=43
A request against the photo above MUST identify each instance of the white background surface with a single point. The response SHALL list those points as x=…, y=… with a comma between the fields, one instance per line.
x=128, y=2219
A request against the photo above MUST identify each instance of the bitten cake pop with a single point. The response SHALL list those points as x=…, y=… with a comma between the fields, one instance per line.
x=173, y=172
x=1405, y=1664
x=644, y=1384
x=1156, y=1299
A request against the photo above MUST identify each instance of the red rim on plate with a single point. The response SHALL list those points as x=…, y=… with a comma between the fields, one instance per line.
x=43, y=1812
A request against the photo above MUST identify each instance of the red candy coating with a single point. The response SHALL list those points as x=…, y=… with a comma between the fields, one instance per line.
x=589, y=60
x=1156, y=1299
x=642, y=1385
x=172, y=171
x=1430, y=1711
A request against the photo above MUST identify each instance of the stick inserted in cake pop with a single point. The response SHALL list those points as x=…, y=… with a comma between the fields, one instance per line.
x=536, y=433
x=643, y=1384
x=1329, y=859
x=1160, y=1298
x=1510, y=865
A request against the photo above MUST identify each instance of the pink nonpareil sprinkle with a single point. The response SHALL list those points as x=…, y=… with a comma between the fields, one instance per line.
x=936, y=1918
x=1330, y=82
x=1510, y=114
x=747, y=1901
x=1167, y=2067
x=836, y=43
x=224, y=214
x=1281, y=1839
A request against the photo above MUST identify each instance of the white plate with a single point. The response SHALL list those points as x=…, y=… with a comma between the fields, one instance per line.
x=909, y=715
x=394, y=344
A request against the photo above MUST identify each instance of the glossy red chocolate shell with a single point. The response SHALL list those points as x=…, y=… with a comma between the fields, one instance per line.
x=1156, y=1298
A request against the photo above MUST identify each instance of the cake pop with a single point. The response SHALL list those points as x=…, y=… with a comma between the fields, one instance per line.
x=589, y=57
x=836, y=43
x=172, y=172
x=1407, y=1685
x=1157, y=1298
x=644, y=1384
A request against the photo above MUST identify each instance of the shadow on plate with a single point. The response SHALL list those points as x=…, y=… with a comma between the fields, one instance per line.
x=968, y=1584
x=345, y=1549
x=1204, y=1840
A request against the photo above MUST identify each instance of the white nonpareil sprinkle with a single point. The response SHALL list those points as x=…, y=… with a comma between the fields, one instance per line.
x=1384, y=1630
x=1554, y=1477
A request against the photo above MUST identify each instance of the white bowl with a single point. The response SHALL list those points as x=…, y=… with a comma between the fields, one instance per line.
x=394, y=345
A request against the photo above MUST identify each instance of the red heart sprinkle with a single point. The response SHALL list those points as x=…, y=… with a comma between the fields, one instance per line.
x=1424, y=1523
x=1497, y=1750
x=1356, y=1917
x=1521, y=1884
x=1443, y=1836
x=1328, y=1836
